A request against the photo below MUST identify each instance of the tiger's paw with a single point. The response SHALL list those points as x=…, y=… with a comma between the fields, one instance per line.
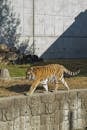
x=26, y=94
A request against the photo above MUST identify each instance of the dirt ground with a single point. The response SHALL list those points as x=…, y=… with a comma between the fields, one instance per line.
x=19, y=86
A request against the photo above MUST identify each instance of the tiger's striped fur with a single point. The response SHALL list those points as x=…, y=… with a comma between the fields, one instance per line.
x=41, y=74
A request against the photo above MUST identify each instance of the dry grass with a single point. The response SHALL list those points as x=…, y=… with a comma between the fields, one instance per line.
x=17, y=87
x=74, y=83
x=13, y=87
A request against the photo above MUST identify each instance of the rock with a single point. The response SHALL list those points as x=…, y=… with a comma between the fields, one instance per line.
x=4, y=74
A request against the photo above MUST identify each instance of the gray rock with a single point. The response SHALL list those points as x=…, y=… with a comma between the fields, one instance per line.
x=4, y=74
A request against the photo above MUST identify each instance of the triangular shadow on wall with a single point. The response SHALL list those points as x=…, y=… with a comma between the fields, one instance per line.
x=72, y=43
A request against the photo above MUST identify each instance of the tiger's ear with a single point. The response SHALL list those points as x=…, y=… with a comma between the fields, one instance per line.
x=29, y=68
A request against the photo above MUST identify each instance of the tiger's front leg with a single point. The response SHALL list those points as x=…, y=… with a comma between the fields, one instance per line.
x=33, y=87
x=45, y=85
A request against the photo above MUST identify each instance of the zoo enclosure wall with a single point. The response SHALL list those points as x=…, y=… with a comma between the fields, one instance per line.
x=52, y=111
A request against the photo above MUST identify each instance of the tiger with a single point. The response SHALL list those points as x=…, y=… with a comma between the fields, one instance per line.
x=41, y=74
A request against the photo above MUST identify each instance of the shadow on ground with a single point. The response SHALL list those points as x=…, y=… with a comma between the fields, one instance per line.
x=23, y=88
x=19, y=88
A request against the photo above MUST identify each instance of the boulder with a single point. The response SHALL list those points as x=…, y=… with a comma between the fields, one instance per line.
x=4, y=74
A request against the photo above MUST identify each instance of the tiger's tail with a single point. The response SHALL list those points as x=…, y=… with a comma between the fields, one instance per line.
x=71, y=73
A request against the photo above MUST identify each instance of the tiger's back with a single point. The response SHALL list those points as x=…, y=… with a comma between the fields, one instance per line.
x=47, y=71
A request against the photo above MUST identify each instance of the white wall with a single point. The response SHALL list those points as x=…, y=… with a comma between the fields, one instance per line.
x=54, y=20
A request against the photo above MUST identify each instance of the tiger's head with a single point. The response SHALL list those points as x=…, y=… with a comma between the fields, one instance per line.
x=30, y=74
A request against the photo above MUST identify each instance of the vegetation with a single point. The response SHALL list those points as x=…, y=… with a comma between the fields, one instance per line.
x=16, y=70
x=8, y=24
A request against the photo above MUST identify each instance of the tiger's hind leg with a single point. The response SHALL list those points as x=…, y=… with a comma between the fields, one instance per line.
x=65, y=84
x=56, y=86
x=56, y=82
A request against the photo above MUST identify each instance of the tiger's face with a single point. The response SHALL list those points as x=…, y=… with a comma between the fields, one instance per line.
x=30, y=74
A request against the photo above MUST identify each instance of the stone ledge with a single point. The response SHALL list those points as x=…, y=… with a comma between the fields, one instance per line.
x=53, y=110
x=43, y=94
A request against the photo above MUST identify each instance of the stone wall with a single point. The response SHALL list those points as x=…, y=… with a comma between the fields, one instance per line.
x=52, y=111
x=59, y=26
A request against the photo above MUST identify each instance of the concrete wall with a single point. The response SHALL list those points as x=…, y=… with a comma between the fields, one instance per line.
x=59, y=26
x=53, y=111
